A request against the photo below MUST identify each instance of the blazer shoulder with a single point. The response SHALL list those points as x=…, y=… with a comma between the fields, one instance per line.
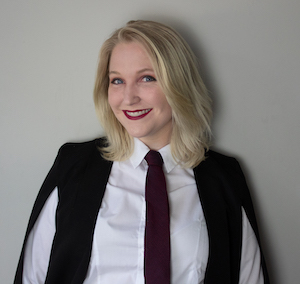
x=218, y=156
x=78, y=147
x=79, y=154
x=221, y=162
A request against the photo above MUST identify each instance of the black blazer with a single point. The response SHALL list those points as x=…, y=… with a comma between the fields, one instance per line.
x=81, y=174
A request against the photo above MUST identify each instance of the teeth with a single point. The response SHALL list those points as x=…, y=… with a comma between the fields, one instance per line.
x=137, y=113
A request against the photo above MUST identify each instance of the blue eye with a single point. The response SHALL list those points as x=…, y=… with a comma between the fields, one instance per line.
x=117, y=81
x=148, y=79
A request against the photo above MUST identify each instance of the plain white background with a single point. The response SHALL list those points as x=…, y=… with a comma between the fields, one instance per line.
x=250, y=60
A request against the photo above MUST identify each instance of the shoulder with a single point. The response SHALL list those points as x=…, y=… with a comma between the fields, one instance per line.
x=220, y=163
x=222, y=172
x=218, y=157
x=79, y=154
x=82, y=147
x=79, y=150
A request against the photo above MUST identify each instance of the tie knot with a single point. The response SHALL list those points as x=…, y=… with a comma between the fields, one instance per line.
x=154, y=158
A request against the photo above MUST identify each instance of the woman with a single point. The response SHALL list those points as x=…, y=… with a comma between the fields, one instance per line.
x=90, y=222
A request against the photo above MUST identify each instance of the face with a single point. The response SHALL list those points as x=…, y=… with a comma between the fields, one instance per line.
x=136, y=98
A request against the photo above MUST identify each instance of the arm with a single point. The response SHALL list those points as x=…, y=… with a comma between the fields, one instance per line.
x=39, y=243
x=251, y=269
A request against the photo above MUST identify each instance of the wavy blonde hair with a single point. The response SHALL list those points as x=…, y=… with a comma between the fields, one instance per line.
x=174, y=64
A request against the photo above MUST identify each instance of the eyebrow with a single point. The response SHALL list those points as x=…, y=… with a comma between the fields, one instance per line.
x=138, y=72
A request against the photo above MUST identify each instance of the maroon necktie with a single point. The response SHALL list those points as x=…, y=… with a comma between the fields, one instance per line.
x=157, y=232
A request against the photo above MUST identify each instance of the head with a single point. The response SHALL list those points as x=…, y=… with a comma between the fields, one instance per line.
x=176, y=73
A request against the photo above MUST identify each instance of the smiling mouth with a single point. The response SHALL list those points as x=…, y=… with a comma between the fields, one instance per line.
x=137, y=114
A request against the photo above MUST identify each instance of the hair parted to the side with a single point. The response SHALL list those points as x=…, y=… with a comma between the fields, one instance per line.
x=175, y=67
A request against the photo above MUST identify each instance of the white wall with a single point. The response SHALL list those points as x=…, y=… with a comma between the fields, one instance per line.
x=250, y=52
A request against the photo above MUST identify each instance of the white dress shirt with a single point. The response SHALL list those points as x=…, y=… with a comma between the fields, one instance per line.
x=118, y=245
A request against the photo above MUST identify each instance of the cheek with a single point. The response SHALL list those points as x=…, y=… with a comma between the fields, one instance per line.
x=162, y=101
x=112, y=100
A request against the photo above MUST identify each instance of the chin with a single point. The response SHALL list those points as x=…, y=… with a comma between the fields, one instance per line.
x=137, y=133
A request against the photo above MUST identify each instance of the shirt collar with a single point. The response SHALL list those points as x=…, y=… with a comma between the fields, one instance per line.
x=140, y=151
x=169, y=162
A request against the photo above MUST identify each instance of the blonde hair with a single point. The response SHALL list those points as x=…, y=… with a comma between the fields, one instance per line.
x=175, y=67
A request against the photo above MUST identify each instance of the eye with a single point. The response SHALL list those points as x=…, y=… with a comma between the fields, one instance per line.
x=148, y=79
x=116, y=81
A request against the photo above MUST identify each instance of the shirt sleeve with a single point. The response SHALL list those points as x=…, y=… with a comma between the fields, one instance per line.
x=251, y=269
x=39, y=243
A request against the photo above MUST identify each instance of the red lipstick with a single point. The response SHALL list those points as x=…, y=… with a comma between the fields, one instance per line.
x=137, y=114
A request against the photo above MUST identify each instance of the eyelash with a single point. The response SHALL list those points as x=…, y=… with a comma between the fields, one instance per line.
x=151, y=79
x=113, y=81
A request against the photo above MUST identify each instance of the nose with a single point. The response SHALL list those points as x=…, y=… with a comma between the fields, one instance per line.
x=131, y=94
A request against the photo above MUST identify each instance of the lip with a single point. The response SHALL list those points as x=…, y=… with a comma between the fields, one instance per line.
x=137, y=114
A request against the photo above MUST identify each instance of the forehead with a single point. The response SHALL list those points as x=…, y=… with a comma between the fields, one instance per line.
x=129, y=54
